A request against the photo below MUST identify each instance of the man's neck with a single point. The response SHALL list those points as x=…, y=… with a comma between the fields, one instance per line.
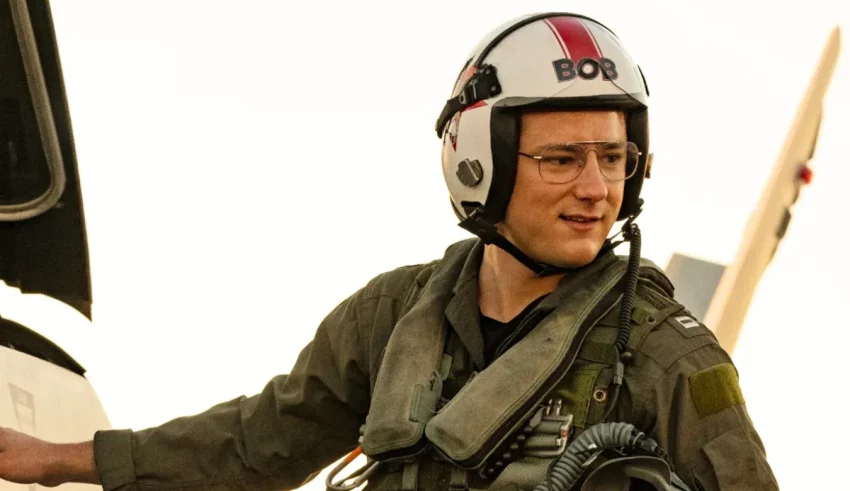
x=506, y=286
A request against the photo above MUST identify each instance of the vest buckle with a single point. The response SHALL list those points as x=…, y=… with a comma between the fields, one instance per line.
x=550, y=431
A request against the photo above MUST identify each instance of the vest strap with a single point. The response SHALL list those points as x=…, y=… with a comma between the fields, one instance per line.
x=410, y=476
x=458, y=479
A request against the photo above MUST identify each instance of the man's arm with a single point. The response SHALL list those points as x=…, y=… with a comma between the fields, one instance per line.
x=284, y=436
x=25, y=459
x=697, y=413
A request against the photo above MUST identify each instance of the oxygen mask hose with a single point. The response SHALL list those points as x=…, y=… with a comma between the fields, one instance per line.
x=574, y=462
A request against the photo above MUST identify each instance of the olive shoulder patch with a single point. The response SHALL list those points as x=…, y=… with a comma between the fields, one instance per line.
x=715, y=389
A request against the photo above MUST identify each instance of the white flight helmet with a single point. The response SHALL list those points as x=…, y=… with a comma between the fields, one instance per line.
x=552, y=60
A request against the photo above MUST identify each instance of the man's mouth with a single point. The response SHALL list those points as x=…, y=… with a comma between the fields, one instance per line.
x=580, y=218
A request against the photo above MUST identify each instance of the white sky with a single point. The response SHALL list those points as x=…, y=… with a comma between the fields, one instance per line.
x=246, y=168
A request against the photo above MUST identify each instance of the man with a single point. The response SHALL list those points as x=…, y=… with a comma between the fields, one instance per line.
x=529, y=356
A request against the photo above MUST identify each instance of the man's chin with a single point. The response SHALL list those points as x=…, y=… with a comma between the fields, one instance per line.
x=575, y=255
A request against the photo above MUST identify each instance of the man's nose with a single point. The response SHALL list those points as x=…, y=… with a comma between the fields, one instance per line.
x=590, y=184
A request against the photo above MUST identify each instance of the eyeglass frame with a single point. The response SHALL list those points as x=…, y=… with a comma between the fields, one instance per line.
x=583, y=161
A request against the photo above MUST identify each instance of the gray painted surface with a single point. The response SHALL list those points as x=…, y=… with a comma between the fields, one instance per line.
x=695, y=280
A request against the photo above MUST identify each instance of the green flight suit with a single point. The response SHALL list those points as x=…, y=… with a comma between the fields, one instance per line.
x=677, y=391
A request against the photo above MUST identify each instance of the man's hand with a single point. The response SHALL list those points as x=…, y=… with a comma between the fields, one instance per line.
x=25, y=459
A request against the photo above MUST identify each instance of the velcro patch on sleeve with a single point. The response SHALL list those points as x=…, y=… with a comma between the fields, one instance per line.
x=715, y=389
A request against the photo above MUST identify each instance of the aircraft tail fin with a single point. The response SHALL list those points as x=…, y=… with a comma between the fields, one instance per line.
x=721, y=296
x=695, y=281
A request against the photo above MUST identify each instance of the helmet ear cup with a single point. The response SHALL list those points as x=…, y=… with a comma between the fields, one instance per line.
x=504, y=140
x=637, y=130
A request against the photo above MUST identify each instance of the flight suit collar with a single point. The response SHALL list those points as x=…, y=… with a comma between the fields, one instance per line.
x=463, y=310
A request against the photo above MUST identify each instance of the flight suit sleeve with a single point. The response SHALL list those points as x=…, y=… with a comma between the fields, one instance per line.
x=698, y=415
x=278, y=439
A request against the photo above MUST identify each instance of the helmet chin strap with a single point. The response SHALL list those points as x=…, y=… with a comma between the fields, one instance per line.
x=481, y=227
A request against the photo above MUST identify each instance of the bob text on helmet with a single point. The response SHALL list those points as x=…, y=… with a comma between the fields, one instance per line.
x=539, y=61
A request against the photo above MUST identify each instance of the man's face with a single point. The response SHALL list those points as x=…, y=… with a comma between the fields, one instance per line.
x=550, y=221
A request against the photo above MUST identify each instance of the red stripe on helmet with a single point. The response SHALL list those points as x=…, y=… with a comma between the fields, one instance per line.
x=476, y=105
x=576, y=37
x=557, y=37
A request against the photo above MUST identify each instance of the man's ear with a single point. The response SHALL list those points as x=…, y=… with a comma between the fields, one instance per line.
x=648, y=170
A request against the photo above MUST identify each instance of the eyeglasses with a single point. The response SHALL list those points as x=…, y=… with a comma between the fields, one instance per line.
x=562, y=163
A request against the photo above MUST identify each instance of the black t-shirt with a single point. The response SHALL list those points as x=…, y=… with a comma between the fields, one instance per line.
x=495, y=332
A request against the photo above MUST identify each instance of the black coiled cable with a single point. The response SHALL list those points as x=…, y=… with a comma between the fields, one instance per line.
x=568, y=469
x=631, y=233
